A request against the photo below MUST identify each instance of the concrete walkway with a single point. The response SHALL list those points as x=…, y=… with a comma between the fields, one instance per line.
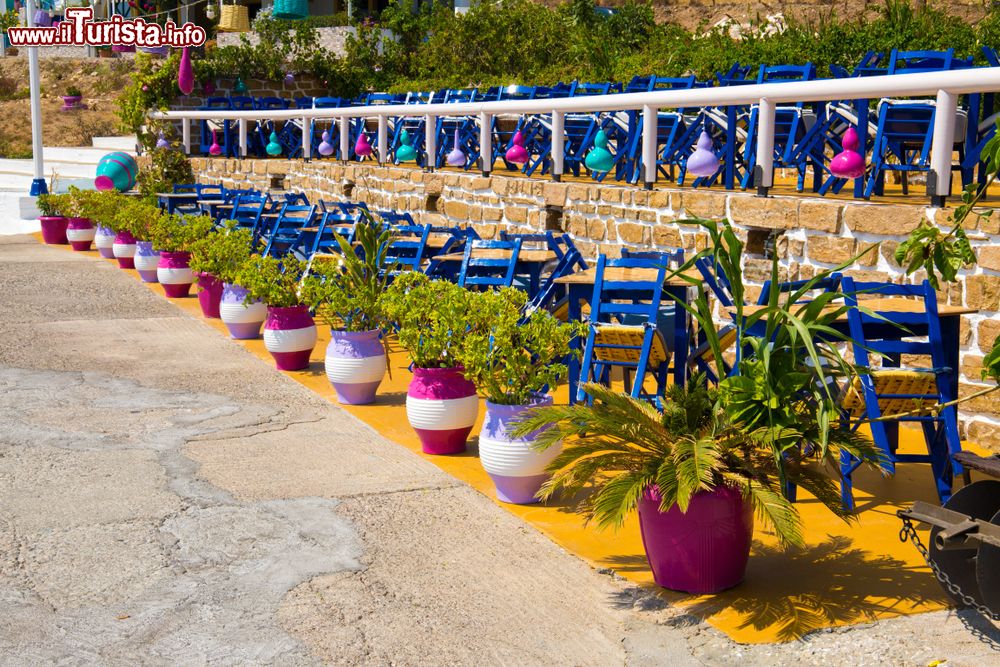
x=167, y=498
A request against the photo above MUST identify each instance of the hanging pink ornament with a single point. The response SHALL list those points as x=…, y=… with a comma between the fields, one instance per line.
x=185, y=73
x=848, y=163
x=517, y=154
x=361, y=147
x=145, y=87
x=456, y=158
x=215, y=148
x=703, y=162
x=325, y=148
x=162, y=142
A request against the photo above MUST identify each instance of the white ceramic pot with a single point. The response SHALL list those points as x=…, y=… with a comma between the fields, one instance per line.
x=517, y=470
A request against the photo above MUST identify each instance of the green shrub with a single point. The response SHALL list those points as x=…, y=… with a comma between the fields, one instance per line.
x=223, y=253
x=431, y=318
x=278, y=283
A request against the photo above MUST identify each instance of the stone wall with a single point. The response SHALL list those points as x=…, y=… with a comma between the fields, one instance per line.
x=602, y=218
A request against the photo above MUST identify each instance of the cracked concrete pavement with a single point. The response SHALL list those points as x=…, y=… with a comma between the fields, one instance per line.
x=167, y=498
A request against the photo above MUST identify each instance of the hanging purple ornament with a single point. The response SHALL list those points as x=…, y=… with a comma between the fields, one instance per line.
x=215, y=148
x=185, y=73
x=325, y=148
x=361, y=147
x=517, y=154
x=456, y=158
x=848, y=163
x=289, y=78
x=162, y=142
x=703, y=162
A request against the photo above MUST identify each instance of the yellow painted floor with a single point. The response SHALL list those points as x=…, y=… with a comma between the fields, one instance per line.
x=848, y=573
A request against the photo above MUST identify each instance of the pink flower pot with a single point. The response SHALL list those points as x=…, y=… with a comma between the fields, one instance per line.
x=355, y=365
x=442, y=407
x=209, y=294
x=174, y=274
x=80, y=233
x=124, y=249
x=517, y=470
x=290, y=336
x=704, y=550
x=54, y=229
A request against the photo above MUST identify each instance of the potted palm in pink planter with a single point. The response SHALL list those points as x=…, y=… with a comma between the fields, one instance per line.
x=52, y=220
x=431, y=323
x=512, y=360
x=289, y=330
x=173, y=236
x=348, y=297
x=216, y=260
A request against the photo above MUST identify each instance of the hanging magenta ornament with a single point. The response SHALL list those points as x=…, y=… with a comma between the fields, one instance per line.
x=456, y=158
x=325, y=148
x=517, y=154
x=215, y=148
x=703, y=162
x=848, y=163
x=362, y=148
x=185, y=73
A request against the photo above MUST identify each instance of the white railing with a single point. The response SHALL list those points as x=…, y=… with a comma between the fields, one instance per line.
x=945, y=86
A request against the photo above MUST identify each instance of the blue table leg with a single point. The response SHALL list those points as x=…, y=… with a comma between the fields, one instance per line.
x=950, y=336
x=575, y=294
x=678, y=293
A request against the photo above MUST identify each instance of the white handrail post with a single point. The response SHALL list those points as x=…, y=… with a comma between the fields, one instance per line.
x=939, y=180
x=430, y=141
x=38, y=186
x=383, y=139
x=764, y=169
x=243, y=137
x=558, y=145
x=306, y=138
x=186, y=135
x=649, y=130
x=345, y=138
x=486, y=142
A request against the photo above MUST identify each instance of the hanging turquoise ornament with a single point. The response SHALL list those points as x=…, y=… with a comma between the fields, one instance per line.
x=406, y=152
x=163, y=143
x=325, y=148
x=239, y=87
x=185, y=73
x=703, y=162
x=273, y=148
x=600, y=158
x=456, y=158
x=517, y=153
x=215, y=148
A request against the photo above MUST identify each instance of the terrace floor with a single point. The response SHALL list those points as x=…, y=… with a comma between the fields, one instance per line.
x=167, y=496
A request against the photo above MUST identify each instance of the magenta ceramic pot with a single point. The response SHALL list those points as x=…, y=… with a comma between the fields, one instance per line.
x=123, y=249
x=704, y=550
x=174, y=273
x=355, y=365
x=209, y=294
x=80, y=233
x=290, y=336
x=54, y=229
x=442, y=407
x=517, y=470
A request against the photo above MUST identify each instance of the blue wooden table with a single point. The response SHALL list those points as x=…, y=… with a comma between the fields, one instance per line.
x=169, y=201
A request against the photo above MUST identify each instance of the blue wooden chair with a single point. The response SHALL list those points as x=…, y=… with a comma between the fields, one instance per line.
x=489, y=272
x=223, y=129
x=407, y=249
x=286, y=234
x=247, y=211
x=638, y=346
x=890, y=393
x=331, y=222
x=394, y=218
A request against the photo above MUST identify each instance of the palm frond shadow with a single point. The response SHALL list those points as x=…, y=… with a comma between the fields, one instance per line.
x=792, y=592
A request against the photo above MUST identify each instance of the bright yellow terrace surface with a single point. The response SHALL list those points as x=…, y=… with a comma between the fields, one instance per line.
x=848, y=573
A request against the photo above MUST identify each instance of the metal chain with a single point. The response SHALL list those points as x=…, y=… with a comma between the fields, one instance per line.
x=909, y=532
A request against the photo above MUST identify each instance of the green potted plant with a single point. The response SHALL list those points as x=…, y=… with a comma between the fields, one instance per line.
x=72, y=98
x=697, y=471
x=173, y=236
x=137, y=216
x=513, y=360
x=289, y=330
x=348, y=298
x=430, y=317
x=52, y=219
x=217, y=259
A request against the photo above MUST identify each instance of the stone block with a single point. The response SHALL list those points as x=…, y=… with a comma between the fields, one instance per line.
x=984, y=434
x=516, y=214
x=597, y=230
x=577, y=193
x=823, y=216
x=709, y=205
x=982, y=292
x=630, y=232
x=667, y=235
x=830, y=249
x=554, y=194
x=610, y=194
x=987, y=332
x=887, y=220
x=456, y=210
x=659, y=199
x=989, y=257
x=764, y=212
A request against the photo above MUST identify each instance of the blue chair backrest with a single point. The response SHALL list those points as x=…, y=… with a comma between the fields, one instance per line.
x=485, y=272
x=242, y=103
x=457, y=95
x=901, y=62
x=670, y=257
x=185, y=188
x=830, y=283
x=586, y=89
x=247, y=211
x=304, y=102
x=408, y=246
x=617, y=300
x=716, y=280
x=288, y=227
x=355, y=209
x=514, y=92
x=779, y=73
x=296, y=198
x=217, y=103
x=270, y=103
x=392, y=218
x=328, y=103
x=330, y=222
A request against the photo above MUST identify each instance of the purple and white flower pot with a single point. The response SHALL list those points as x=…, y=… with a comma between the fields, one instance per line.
x=290, y=336
x=704, y=550
x=124, y=249
x=54, y=229
x=242, y=319
x=517, y=470
x=146, y=260
x=80, y=233
x=174, y=274
x=209, y=294
x=355, y=365
x=442, y=407
x=104, y=241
